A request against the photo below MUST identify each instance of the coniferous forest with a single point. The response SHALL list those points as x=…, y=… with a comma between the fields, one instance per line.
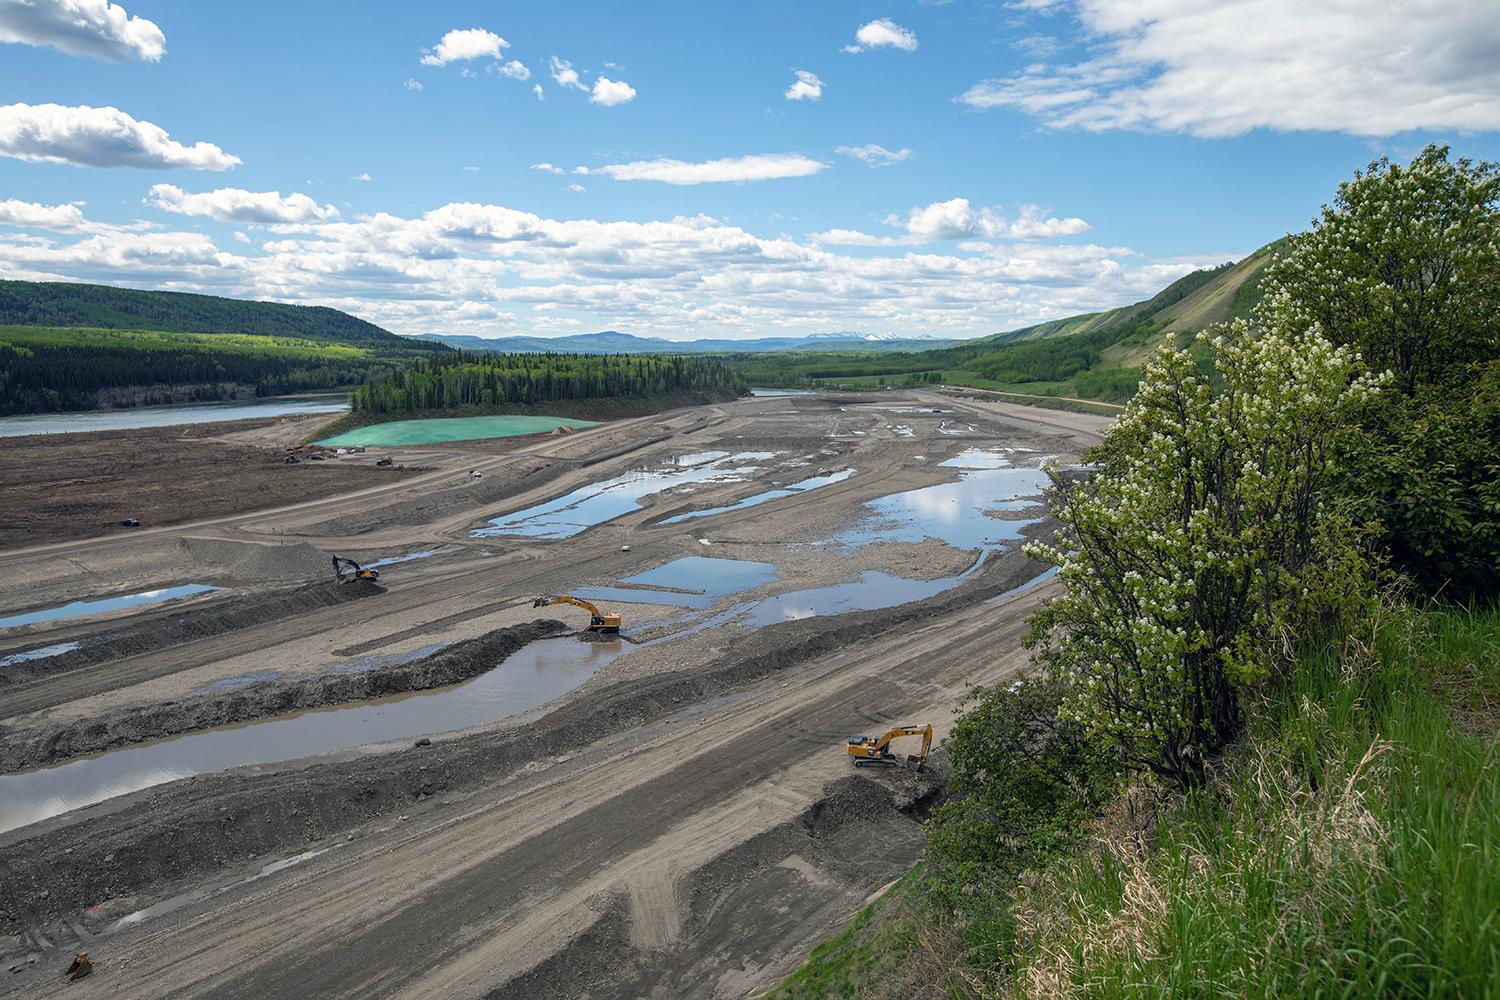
x=450, y=381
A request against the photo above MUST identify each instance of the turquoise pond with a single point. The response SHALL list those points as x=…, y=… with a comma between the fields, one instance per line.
x=439, y=429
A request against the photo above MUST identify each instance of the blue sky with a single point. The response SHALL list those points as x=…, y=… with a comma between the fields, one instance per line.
x=974, y=166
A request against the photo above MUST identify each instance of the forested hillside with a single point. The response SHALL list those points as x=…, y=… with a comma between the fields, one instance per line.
x=62, y=304
x=1095, y=356
x=82, y=347
x=486, y=380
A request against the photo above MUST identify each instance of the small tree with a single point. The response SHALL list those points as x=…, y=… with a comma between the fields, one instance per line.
x=1207, y=545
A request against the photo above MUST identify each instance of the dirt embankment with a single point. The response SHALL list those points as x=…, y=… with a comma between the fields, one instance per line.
x=35, y=747
x=152, y=840
x=216, y=618
x=62, y=487
x=740, y=890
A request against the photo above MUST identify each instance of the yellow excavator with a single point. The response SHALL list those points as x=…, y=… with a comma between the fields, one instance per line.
x=601, y=621
x=875, y=751
x=347, y=570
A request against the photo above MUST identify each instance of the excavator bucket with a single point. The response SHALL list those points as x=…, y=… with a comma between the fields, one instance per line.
x=81, y=967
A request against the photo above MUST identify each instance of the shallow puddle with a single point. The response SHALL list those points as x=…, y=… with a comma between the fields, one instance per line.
x=530, y=677
x=956, y=513
x=409, y=557
x=79, y=609
x=754, y=501
x=715, y=577
x=872, y=591
x=691, y=582
x=40, y=653
x=771, y=393
x=604, y=501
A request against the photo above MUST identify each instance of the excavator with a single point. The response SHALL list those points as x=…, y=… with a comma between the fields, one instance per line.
x=600, y=621
x=354, y=571
x=875, y=751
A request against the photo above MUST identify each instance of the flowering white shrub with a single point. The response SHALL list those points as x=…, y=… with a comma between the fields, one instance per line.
x=1207, y=546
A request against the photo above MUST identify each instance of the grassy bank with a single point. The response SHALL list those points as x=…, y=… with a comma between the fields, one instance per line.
x=610, y=408
x=1349, y=845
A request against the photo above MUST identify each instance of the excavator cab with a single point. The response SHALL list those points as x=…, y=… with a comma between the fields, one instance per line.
x=347, y=570
x=875, y=751
x=607, y=622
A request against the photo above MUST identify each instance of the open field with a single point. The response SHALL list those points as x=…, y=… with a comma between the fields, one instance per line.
x=670, y=812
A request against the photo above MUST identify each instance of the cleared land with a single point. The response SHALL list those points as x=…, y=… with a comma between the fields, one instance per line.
x=56, y=487
x=682, y=821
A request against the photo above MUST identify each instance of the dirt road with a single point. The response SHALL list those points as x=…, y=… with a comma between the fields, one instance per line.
x=683, y=823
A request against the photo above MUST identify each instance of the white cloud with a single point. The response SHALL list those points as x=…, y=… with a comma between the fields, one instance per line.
x=956, y=219
x=565, y=75
x=579, y=188
x=762, y=167
x=470, y=267
x=883, y=33
x=240, y=237
x=547, y=168
x=1216, y=69
x=515, y=69
x=238, y=205
x=581, y=170
x=411, y=84
x=462, y=44
x=82, y=28
x=807, y=87
x=471, y=170
x=99, y=137
x=364, y=177
x=611, y=92
x=536, y=88
x=58, y=218
x=873, y=155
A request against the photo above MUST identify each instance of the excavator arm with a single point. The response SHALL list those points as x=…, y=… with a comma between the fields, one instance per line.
x=875, y=751
x=600, y=621
x=356, y=571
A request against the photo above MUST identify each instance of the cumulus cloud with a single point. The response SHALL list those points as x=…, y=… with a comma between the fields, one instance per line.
x=883, y=33
x=462, y=44
x=577, y=188
x=547, y=168
x=58, y=218
x=762, y=167
x=514, y=69
x=362, y=177
x=957, y=219
x=611, y=92
x=1213, y=69
x=411, y=84
x=565, y=75
x=469, y=266
x=238, y=205
x=807, y=87
x=99, y=137
x=94, y=28
x=536, y=88
x=873, y=155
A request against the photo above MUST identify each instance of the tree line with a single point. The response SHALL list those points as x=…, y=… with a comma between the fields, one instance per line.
x=457, y=380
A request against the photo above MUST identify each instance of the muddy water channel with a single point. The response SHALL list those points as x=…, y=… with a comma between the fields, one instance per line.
x=532, y=676
x=78, y=609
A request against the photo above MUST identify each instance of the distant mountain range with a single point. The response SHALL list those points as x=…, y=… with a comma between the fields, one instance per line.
x=614, y=342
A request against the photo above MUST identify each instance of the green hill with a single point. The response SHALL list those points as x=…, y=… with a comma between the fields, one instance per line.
x=66, y=304
x=82, y=347
x=1093, y=355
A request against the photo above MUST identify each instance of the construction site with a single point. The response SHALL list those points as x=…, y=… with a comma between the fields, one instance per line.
x=642, y=708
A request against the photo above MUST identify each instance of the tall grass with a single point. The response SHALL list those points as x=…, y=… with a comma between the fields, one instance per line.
x=1350, y=848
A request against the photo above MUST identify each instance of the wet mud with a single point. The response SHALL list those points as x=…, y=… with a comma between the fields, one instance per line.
x=146, y=844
